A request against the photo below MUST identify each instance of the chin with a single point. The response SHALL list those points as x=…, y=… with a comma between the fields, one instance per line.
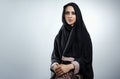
x=70, y=23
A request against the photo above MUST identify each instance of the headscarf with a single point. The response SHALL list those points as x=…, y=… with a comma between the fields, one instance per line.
x=72, y=36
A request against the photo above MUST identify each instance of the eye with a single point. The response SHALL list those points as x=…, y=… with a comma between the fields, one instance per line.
x=67, y=12
x=73, y=13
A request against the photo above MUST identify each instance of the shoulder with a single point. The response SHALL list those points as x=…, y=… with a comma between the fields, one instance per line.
x=60, y=32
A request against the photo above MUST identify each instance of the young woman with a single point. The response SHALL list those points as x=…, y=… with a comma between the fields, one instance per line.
x=72, y=53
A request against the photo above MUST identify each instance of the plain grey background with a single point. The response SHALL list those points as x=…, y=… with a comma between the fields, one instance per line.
x=28, y=29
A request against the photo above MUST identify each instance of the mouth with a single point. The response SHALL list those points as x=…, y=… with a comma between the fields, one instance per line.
x=70, y=20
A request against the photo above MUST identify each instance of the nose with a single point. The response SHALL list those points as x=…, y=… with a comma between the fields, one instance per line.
x=70, y=15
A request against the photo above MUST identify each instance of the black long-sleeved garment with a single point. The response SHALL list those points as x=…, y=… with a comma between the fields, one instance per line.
x=74, y=42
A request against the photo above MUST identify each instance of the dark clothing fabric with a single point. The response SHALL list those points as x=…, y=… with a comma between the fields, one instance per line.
x=74, y=41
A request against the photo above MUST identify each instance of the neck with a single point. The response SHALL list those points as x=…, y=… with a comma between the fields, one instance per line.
x=72, y=25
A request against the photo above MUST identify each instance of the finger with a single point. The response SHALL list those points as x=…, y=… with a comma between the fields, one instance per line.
x=59, y=74
x=59, y=71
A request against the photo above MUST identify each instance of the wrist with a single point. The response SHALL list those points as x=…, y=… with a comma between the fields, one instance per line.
x=54, y=66
x=71, y=66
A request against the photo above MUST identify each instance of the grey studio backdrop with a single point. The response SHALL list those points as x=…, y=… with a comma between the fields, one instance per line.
x=28, y=29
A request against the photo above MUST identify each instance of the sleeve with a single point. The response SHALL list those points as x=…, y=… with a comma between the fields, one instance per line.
x=85, y=62
x=55, y=57
x=76, y=67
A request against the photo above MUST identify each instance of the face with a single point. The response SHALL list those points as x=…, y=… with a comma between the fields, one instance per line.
x=70, y=16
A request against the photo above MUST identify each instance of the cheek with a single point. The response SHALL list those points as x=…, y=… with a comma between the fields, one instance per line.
x=75, y=18
x=65, y=17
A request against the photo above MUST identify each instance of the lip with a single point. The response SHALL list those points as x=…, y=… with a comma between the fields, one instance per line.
x=70, y=20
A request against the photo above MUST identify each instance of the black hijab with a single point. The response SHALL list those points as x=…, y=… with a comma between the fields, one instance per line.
x=71, y=37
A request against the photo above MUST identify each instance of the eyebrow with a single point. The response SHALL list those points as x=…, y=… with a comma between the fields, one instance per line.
x=69, y=11
x=66, y=12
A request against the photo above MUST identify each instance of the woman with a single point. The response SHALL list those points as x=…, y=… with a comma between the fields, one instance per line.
x=72, y=54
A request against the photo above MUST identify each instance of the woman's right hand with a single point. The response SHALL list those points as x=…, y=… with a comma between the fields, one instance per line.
x=62, y=69
x=57, y=69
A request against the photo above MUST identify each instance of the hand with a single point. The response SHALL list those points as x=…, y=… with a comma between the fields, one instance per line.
x=62, y=69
